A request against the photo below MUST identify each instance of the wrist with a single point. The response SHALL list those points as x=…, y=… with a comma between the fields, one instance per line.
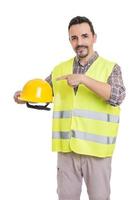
x=84, y=79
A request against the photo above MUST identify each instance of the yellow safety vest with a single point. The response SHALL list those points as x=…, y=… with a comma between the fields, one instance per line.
x=83, y=122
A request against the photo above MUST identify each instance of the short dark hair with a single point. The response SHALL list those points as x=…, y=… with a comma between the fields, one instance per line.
x=79, y=20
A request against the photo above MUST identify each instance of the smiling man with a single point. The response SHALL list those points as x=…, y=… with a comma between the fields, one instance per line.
x=88, y=90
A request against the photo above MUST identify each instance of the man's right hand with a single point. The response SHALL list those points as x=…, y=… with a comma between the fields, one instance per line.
x=16, y=98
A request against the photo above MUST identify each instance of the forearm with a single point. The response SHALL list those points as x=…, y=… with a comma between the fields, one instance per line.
x=100, y=88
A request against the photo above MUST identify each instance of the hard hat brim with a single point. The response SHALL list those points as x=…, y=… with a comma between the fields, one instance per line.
x=26, y=100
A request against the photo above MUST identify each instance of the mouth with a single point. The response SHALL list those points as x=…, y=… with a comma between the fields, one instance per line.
x=81, y=48
x=82, y=51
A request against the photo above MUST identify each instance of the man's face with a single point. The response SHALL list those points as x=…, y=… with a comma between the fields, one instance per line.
x=81, y=39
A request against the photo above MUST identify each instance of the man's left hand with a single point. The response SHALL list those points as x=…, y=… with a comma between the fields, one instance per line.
x=72, y=79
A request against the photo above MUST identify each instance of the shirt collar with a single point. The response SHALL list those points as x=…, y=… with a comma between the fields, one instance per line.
x=90, y=61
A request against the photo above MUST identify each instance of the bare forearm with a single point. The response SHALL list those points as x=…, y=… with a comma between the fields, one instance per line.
x=100, y=88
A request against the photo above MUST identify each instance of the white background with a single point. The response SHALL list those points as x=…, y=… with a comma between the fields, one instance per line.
x=33, y=39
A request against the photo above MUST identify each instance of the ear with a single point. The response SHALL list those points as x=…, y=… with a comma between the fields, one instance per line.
x=95, y=38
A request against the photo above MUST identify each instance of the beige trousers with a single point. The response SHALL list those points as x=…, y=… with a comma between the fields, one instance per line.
x=72, y=168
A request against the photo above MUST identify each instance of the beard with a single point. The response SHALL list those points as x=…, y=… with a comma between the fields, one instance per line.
x=82, y=51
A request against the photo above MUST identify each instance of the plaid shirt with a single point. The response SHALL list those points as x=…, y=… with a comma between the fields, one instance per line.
x=115, y=79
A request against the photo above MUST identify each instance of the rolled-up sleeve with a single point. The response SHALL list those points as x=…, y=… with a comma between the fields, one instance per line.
x=118, y=90
x=49, y=80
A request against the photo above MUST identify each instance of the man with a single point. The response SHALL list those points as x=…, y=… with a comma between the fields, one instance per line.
x=88, y=90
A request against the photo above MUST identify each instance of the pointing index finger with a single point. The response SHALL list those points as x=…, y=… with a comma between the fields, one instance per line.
x=62, y=78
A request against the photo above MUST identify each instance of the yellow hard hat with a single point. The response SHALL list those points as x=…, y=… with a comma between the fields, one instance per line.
x=36, y=91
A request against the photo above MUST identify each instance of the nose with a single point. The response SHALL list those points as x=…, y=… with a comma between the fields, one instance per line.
x=79, y=41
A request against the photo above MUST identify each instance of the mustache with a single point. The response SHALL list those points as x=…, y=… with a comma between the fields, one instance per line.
x=79, y=46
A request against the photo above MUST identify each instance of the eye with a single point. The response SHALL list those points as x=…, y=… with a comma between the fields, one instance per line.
x=85, y=35
x=73, y=38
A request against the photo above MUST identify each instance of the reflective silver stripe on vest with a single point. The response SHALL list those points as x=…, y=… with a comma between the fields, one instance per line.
x=96, y=115
x=61, y=135
x=62, y=114
x=85, y=136
x=87, y=114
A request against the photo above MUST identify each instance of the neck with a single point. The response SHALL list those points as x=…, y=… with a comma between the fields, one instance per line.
x=84, y=61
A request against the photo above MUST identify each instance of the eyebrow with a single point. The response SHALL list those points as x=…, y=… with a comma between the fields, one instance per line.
x=73, y=36
x=84, y=34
